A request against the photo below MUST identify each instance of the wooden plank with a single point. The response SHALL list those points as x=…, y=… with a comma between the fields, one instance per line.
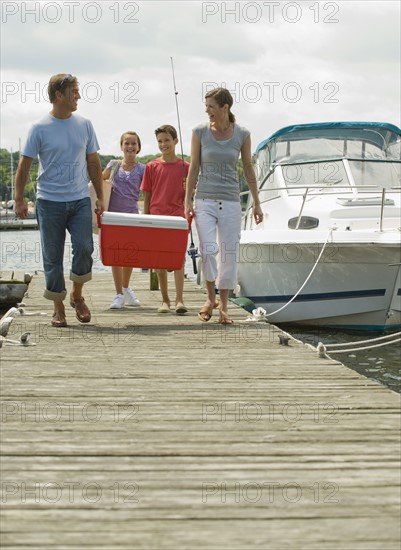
x=213, y=534
x=162, y=432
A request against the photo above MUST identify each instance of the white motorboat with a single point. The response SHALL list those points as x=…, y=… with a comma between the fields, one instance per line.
x=328, y=251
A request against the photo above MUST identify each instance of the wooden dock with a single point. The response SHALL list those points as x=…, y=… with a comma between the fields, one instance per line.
x=150, y=431
x=14, y=224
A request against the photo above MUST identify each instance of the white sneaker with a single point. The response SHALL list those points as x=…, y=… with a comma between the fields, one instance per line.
x=130, y=298
x=118, y=302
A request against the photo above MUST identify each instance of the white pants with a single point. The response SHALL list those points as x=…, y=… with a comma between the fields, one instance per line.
x=219, y=227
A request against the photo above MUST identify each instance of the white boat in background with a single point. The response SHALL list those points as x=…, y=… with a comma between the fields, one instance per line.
x=328, y=252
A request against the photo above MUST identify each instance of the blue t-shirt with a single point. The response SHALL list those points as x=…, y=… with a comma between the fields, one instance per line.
x=62, y=146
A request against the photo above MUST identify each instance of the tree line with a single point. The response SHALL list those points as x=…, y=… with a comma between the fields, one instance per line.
x=9, y=163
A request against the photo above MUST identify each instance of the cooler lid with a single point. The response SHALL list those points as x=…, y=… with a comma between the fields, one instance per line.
x=143, y=220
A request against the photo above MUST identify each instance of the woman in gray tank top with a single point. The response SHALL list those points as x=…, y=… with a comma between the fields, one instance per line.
x=215, y=149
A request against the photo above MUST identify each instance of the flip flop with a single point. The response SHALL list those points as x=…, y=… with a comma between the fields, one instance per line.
x=82, y=312
x=205, y=314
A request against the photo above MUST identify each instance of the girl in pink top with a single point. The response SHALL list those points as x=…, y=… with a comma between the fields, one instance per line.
x=126, y=177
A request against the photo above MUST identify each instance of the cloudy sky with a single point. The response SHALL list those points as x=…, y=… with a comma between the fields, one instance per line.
x=284, y=62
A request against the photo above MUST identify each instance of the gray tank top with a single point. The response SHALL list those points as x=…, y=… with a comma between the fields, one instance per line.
x=218, y=178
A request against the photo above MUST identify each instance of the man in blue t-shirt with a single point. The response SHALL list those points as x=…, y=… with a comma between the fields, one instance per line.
x=67, y=148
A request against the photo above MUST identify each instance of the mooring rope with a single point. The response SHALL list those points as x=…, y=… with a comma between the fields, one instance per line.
x=307, y=279
x=365, y=347
x=392, y=335
x=322, y=348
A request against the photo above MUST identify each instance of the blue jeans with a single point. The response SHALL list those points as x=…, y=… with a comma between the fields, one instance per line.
x=54, y=218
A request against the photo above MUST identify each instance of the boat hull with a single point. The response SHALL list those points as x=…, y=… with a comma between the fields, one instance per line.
x=395, y=308
x=353, y=286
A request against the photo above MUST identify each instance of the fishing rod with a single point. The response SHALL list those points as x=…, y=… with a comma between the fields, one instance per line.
x=192, y=251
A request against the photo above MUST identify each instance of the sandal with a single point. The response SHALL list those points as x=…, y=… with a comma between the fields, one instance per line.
x=82, y=312
x=224, y=319
x=58, y=320
x=205, y=314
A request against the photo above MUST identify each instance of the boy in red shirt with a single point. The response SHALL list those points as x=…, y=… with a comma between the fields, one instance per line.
x=163, y=186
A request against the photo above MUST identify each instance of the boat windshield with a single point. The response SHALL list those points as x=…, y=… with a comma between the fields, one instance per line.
x=376, y=173
x=320, y=175
x=367, y=177
x=333, y=156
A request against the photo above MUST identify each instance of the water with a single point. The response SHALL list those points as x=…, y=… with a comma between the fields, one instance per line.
x=21, y=251
x=381, y=364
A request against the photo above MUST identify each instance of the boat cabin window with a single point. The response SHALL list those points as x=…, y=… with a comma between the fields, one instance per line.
x=394, y=151
x=269, y=189
x=310, y=149
x=262, y=164
x=270, y=181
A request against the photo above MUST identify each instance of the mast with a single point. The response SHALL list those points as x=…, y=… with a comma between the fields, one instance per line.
x=12, y=174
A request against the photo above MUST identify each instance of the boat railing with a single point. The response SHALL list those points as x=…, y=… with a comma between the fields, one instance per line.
x=302, y=208
x=290, y=162
x=360, y=190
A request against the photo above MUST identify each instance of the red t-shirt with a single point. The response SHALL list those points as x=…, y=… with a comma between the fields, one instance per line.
x=165, y=182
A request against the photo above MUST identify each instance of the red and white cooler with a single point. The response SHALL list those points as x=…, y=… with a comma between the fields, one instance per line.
x=139, y=240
